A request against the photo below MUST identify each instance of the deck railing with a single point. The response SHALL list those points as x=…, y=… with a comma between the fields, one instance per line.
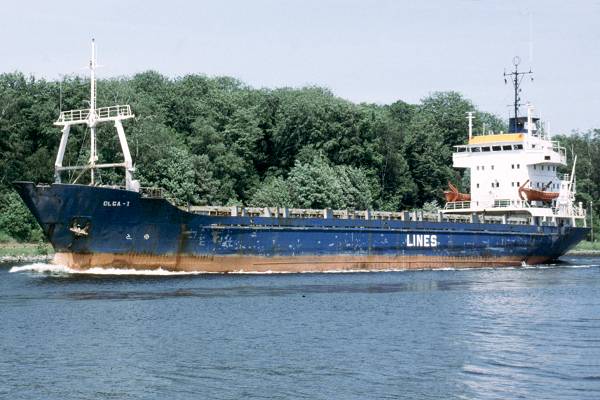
x=413, y=216
x=101, y=114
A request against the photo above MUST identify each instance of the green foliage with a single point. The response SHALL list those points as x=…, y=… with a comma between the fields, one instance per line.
x=587, y=169
x=273, y=192
x=186, y=178
x=315, y=185
x=15, y=219
x=314, y=182
x=431, y=206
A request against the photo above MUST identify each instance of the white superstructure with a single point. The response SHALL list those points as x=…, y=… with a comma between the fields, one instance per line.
x=501, y=163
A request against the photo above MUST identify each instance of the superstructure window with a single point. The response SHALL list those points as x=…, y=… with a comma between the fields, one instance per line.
x=478, y=186
x=485, y=148
x=507, y=147
x=496, y=148
x=476, y=149
x=518, y=147
x=518, y=166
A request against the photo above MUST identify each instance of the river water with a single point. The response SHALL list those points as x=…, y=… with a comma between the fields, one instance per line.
x=467, y=334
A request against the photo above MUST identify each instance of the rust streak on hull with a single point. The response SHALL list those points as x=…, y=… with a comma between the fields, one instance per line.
x=224, y=264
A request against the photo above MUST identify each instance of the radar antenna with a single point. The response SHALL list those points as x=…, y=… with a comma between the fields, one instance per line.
x=516, y=77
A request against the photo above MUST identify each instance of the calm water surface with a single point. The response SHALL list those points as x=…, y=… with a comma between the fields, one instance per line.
x=483, y=334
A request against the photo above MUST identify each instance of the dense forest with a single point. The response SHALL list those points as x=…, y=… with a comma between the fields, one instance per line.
x=218, y=141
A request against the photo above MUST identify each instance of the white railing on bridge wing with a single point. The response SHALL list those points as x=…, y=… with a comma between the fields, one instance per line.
x=100, y=114
x=457, y=205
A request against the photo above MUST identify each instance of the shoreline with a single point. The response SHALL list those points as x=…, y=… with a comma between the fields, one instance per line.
x=583, y=253
x=25, y=252
x=26, y=258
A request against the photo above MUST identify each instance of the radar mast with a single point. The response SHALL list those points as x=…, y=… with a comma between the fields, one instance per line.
x=516, y=78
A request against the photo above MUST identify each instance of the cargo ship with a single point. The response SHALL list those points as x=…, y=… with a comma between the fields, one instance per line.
x=520, y=210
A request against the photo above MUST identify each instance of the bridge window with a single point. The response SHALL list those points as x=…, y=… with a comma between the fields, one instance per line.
x=518, y=147
x=496, y=148
x=507, y=147
x=535, y=167
x=476, y=149
x=485, y=149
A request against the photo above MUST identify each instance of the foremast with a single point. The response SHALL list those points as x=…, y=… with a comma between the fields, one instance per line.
x=92, y=117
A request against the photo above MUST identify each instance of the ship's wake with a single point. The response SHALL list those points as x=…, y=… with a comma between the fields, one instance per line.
x=62, y=270
x=53, y=269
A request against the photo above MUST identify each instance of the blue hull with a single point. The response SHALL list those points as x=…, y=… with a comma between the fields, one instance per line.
x=123, y=229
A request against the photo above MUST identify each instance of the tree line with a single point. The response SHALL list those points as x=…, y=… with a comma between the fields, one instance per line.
x=219, y=141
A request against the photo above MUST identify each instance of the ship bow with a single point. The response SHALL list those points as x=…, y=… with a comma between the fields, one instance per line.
x=39, y=201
